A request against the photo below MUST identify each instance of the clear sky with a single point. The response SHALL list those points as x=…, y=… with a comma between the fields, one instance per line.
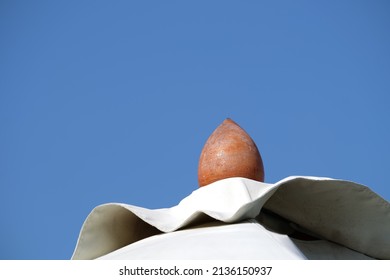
x=112, y=101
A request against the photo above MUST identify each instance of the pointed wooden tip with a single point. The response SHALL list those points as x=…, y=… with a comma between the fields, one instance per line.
x=229, y=152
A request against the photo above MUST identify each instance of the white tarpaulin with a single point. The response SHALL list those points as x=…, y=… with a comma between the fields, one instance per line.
x=238, y=218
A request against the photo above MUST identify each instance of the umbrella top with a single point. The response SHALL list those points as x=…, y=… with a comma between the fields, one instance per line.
x=229, y=152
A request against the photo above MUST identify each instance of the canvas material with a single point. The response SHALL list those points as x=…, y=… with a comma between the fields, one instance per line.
x=246, y=240
x=243, y=241
x=340, y=211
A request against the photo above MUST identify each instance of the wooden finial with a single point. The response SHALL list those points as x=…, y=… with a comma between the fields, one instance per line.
x=229, y=152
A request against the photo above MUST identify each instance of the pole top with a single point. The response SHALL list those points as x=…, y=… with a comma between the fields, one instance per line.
x=229, y=152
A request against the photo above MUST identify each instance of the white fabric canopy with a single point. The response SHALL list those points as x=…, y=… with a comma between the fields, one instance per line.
x=238, y=218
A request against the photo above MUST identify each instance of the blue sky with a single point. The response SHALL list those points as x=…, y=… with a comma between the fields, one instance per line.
x=112, y=101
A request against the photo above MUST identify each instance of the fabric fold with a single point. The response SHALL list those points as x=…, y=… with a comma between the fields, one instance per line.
x=340, y=211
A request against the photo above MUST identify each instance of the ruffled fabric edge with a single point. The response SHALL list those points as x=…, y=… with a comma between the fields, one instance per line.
x=340, y=211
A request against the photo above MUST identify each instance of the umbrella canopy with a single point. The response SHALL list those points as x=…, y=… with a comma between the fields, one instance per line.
x=235, y=215
x=239, y=218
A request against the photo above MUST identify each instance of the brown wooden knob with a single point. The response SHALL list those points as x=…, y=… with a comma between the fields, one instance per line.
x=229, y=152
